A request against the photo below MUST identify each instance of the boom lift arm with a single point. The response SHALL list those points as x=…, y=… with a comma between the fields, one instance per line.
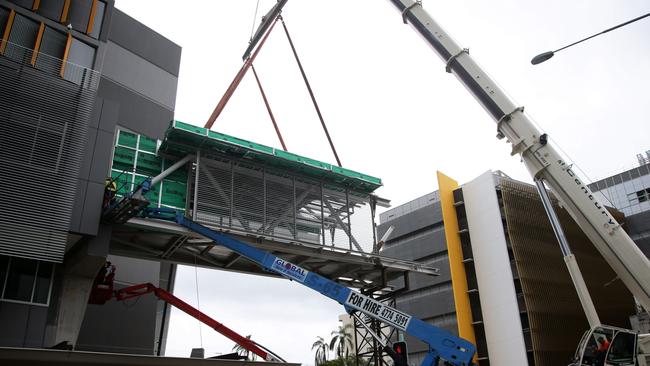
x=145, y=288
x=444, y=348
x=541, y=159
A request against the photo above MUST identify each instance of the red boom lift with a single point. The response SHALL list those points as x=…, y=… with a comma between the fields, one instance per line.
x=103, y=291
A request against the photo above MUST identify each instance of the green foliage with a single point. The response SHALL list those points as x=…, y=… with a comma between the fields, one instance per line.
x=345, y=361
x=341, y=342
x=321, y=351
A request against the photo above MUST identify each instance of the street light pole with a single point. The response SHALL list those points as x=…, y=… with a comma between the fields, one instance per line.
x=546, y=55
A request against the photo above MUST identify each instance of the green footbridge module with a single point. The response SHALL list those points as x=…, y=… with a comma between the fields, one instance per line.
x=183, y=138
x=309, y=211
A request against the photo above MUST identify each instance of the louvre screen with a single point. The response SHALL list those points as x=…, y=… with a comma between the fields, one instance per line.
x=43, y=127
x=555, y=316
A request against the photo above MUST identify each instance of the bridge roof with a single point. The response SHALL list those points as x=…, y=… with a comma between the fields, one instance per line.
x=182, y=138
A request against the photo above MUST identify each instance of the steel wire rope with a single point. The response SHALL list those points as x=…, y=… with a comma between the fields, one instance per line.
x=311, y=93
x=198, y=303
x=257, y=6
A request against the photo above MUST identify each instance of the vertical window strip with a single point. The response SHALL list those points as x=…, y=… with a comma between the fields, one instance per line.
x=36, y=4
x=4, y=285
x=65, y=54
x=91, y=19
x=5, y=35
x=64, y=13
x=37, y=45
x=31, y=298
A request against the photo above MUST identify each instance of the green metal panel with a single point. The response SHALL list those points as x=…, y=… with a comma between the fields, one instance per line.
x=123, y=158
x=240, y=142
x=127, y=139
x=183, y=138
x=180, y=175
x=190, y=128
x=123, y=181
x=174, y=193
x=147, y=144
x=140, y=158
x=148, y=164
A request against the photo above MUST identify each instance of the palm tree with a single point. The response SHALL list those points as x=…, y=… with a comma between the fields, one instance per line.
x=342, y=341
x=243, y=351
x=321, y=350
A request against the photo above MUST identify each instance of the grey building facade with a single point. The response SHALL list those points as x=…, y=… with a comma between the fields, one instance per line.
x=419, y=235
x=71, y=74
x=629, y=192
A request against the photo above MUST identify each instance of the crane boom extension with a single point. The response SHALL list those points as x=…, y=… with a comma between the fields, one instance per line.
x=541, y=159
x=442, y=344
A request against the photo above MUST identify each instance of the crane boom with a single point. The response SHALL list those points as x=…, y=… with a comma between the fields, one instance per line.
x=540, y=158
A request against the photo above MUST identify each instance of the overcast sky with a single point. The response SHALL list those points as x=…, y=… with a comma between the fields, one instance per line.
x=393, y=112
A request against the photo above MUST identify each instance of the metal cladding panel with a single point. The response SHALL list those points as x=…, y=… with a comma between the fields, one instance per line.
x=43, y=125
x=498, y=298
x=455, y=253
x=554, y=312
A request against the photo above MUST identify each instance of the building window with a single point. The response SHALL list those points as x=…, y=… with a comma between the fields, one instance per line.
x=95, y=24
x=79, y=14
x=22, y=39
x=639, y=196
x=4, y=16
x=51, y=51
x=51, y=9
x=24, y=3
x=25, y=280
x=80, y=57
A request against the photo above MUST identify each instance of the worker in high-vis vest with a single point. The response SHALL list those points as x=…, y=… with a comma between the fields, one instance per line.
x=110, y=190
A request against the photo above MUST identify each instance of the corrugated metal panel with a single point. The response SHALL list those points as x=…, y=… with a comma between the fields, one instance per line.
x=43, y=127
x=555, y=316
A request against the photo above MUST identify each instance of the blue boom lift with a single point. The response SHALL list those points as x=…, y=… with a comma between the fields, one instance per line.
x=444, y=347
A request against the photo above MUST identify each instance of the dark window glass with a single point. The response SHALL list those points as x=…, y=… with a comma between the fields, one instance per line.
x=79, y=14
x=99, y=19
x=43, y=278
x=80, y=58
x=20, y=281
x=4, y=266
x=22, y=39
x=621, y=351
x=4, y=15
x=51, y=9
x=46, y=152
x=24, y=3
x=52, y=49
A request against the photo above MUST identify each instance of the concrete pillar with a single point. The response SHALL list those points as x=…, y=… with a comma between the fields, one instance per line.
x=72, y=307
x=72, y=288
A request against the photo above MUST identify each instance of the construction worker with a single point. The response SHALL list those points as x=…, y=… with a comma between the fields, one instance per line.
x=110, y=189
x=601, y=352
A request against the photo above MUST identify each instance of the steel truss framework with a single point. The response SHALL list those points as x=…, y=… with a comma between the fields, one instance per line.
x=273, y=204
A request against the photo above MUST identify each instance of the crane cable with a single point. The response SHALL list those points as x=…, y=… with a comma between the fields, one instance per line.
x=198, y=303
x=257, y=6
x=268, y=108
x=311, y=93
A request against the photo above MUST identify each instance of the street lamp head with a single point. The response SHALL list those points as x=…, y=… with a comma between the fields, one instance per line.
x=542, y=57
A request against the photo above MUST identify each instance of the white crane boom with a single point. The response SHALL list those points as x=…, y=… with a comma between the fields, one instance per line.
x=541, y=159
